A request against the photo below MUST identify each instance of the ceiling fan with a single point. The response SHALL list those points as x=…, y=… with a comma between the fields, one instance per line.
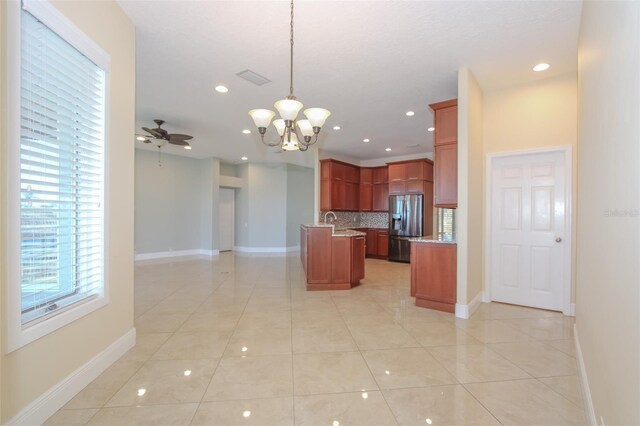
x=159, y=137
x=161, y=134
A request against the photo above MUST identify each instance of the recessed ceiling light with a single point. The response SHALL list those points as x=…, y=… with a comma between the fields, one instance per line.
x=222, y=89
x=430, y=129
x=387, y=149
x=187, y=373
x=141, y=138
x=336, y=127
x=410, y=113
x=187, y=147
x=246, y=131
x=244, y=159
x=541, y=67
x=365, y=140
x=141, y=391
x=246, y=413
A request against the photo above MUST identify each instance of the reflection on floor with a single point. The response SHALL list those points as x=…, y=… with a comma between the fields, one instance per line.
x=238, y=340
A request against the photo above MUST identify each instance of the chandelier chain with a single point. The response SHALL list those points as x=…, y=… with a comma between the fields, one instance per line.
x=291, y=67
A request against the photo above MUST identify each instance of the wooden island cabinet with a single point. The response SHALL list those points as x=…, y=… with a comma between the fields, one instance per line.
x=433, y=274
x=332, y=260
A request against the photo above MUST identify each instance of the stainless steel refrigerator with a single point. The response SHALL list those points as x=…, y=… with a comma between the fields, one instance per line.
x=405, y=221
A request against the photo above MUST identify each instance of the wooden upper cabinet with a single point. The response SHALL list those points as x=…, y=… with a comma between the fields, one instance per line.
x=366, y=175
x=445, y=122
x=397, y=172
x=446, y=180
x=380, y=175
x=352, y=174
x=366, y=197
x=381, y=198
x=446, y=154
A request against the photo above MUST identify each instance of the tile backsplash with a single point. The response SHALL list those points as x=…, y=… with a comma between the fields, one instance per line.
x=359, y=219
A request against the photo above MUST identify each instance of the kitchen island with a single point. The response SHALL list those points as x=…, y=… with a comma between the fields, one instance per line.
x=332, y=259
x=433, y=273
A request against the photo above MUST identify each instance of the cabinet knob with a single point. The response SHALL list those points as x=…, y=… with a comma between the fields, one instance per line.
x=558, y=239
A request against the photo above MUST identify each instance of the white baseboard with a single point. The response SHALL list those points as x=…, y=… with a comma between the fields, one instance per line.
x=465, y=311
x=176, y=253
x=590, y=413
x=244, y=249
x=486, y=297
x=293, y=248
x=43, y=407
x=572, y=310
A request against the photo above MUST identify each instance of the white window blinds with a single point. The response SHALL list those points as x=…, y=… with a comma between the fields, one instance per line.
x=62, y=139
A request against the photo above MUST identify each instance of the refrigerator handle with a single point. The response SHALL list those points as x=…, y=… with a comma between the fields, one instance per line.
x=404, y=215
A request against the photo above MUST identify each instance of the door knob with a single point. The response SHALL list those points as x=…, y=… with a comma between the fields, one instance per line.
x=558, y=239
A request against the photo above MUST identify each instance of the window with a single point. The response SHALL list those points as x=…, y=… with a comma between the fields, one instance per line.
x=446, y=223
x=60, y=172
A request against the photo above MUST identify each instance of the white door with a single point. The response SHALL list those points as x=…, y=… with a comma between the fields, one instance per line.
x=227, y=223
x=527, y=229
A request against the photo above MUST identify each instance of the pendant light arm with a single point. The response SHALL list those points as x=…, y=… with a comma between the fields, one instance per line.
x=291, y=61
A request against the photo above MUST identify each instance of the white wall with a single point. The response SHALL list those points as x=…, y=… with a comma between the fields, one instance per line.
x=32, y=370
x=469, y=226
x=540, y=114
x=608, y=271
x=299, y=201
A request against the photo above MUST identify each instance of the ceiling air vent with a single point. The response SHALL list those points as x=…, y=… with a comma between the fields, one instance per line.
x=253, y=77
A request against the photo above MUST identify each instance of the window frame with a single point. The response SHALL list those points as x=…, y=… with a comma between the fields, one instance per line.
x=18, y=334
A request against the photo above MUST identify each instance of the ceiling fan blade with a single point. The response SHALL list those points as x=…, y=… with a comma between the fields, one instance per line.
x=179, y=136
x=180, y=142
x=153, y=132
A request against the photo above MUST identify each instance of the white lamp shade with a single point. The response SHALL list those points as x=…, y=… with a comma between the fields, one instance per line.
x=291, y=145
x=288, y=108
x=305, y=127
x=279, y=125
x=317, y=116
x=262, y=117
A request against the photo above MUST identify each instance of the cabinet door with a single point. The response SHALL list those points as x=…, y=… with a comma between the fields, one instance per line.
x=435, y=272
x=416, y=170
x=397, y=172
x=357, y=258
x=415, y=186
x=380, y=175
x=366, y=175
x=352, y=174
x=397, y=187
x=427, y=226
x=340, y=259
x=366, y=197
x=383, y=243
x=338, y=195
x=381, y=198
x=352, y=198
x=325, y=169
x=446, y=176
x=372, y=242
x=325, y=195
x=446, y=125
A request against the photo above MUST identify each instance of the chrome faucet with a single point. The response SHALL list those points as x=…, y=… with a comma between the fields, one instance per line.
x=334, y=217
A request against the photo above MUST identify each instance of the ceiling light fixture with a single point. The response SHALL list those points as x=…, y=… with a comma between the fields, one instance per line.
x=141, y=138
x=187, y=147
x=246, y=131
x=336, y=127
x=387, y=149
x=221, y=89
x=431, y=129
x=365, y=140
x=541, y=67
x=289, y=125
x=244, y=158
x=410, y=113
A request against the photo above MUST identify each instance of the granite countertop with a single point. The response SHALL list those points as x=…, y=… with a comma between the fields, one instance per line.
x=335, y=232
x=430, y=240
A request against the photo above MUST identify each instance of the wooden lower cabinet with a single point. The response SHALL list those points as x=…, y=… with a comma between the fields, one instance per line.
x=433, y=275
x=331, y=262
x=377, y=243
x=383, y=243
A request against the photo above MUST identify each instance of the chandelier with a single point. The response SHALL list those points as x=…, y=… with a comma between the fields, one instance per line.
x=294, y=134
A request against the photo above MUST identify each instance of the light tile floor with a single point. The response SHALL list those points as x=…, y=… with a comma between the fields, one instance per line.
x=237, y=340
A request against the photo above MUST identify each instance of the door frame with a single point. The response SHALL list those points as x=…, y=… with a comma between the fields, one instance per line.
x=567, y=150
x=233, y=220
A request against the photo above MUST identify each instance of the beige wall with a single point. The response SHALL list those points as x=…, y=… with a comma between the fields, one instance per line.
x=30, y=371
x=608, y=271
x=470, y=194
x=535, y=115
